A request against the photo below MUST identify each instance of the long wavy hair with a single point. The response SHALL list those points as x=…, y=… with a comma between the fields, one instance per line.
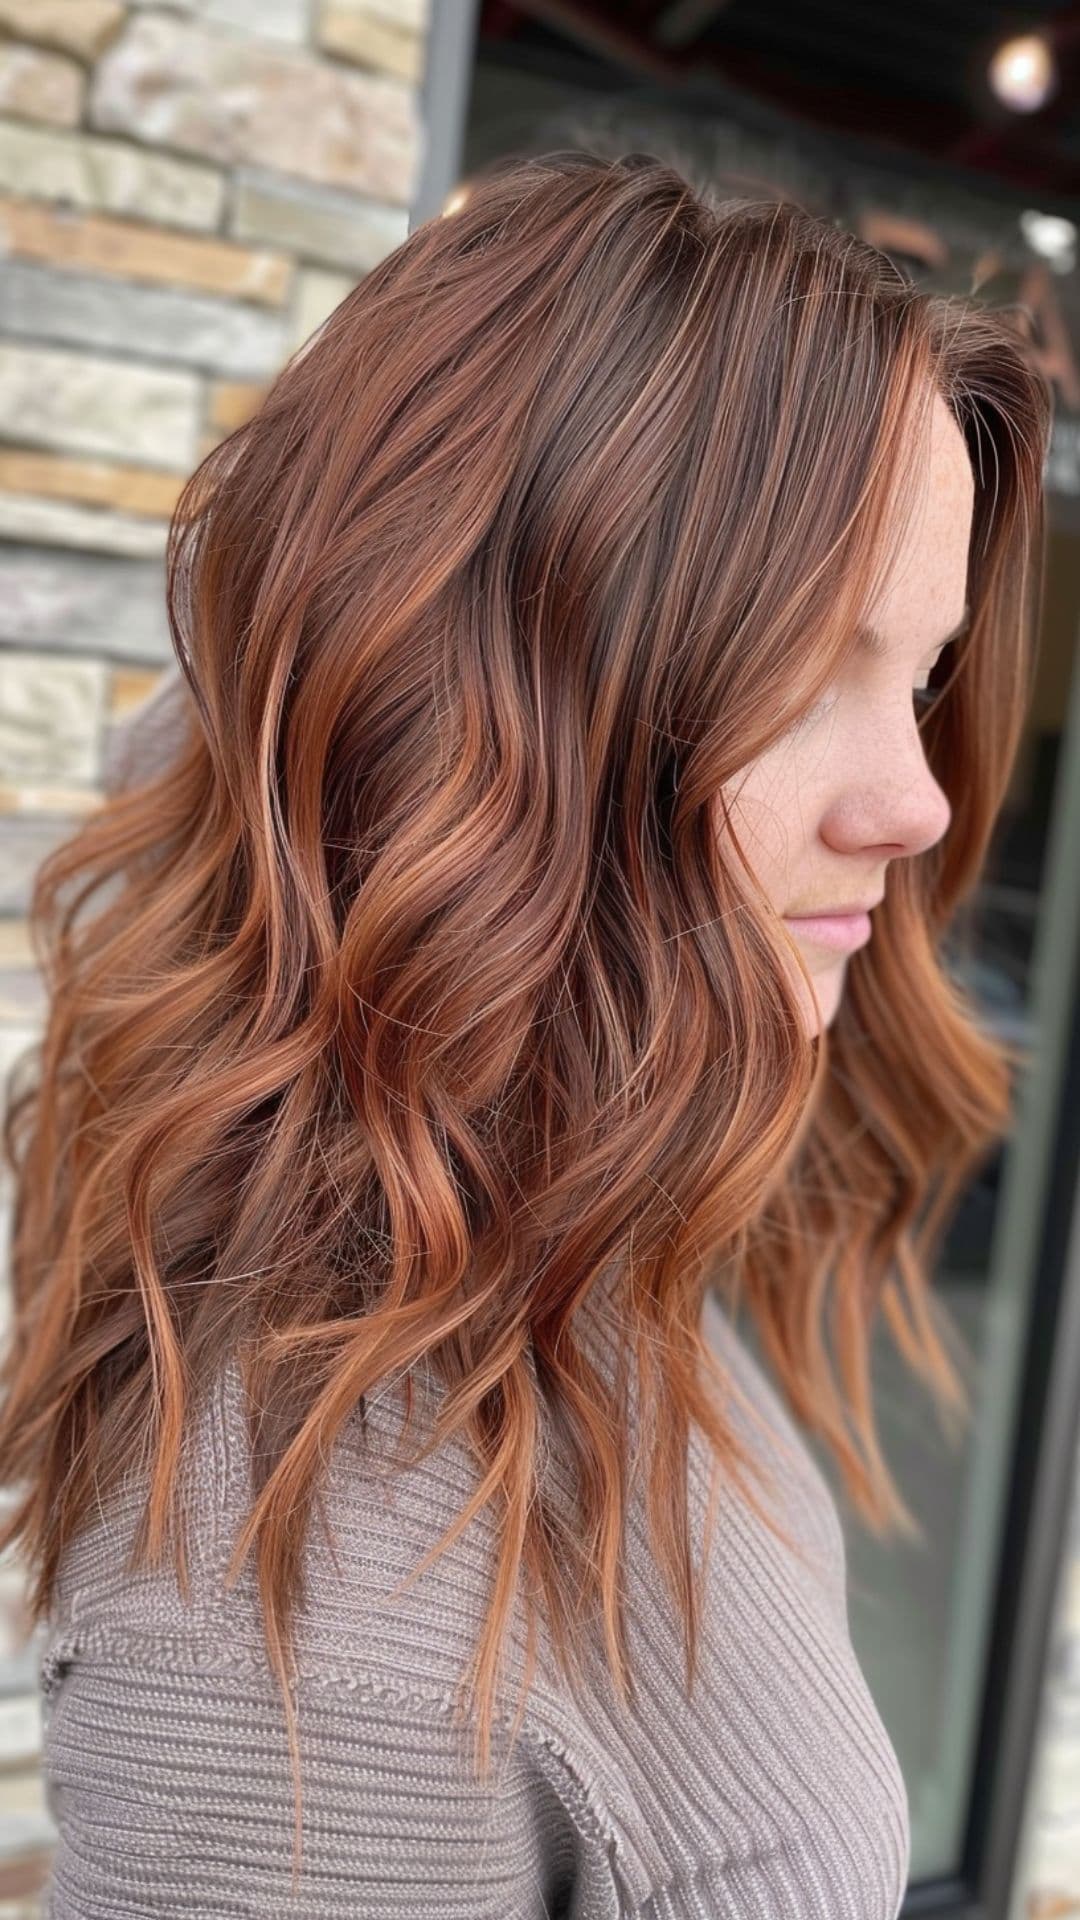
x=426, y=992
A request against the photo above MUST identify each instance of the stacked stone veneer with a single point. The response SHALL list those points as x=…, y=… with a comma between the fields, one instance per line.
x=187, y=189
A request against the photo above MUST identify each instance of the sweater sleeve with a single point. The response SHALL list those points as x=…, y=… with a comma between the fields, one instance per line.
x=171, y=1791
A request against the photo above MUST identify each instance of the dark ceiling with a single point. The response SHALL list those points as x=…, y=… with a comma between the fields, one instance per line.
x=912, y=79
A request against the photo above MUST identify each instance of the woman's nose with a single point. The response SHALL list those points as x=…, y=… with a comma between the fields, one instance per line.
x=892, y=802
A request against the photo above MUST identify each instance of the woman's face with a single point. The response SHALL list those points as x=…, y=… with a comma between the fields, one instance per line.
x=823, y=812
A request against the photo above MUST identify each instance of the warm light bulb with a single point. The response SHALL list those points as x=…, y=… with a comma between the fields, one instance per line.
x=1052, y=237
x=1023, y=73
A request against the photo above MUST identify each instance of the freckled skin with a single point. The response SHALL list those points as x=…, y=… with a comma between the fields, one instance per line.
x=823, y=812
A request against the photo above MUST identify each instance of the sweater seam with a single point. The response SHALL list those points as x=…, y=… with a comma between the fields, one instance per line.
x=179, y=1653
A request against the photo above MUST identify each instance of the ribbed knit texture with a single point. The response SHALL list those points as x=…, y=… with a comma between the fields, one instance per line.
x=772, y=1794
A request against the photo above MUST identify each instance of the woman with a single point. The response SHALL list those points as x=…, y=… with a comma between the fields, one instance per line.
x=456, y=1053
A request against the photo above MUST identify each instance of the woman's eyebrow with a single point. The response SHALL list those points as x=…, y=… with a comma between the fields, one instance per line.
x=876, y=643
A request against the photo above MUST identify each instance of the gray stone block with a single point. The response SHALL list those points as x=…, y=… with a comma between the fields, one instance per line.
x=64, y=523
x=314, y=223
x=84, y=603
x=226, y=337
x=25, y=841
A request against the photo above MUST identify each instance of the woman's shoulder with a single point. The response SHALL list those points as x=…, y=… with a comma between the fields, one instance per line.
x=165, y=1755
x=802, y=1496
x=776, y=1768
x=368, y=1531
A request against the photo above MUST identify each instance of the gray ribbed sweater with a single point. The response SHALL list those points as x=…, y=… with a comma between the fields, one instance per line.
x=773, y=1794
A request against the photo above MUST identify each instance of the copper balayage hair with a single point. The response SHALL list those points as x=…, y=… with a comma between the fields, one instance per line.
x=429, y=983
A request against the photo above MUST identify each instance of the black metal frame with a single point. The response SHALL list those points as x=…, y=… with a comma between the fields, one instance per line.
x=1044, y=1452
x=1037, y=1512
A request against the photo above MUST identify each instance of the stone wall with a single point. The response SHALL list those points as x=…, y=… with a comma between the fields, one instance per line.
x=187, y=189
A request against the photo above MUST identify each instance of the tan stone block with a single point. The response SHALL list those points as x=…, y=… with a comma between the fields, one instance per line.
x=86, y=404
x=1049, y=1903
x=14, y=1614
x=318, y=292
x=130, y=686
x=89, y=170
x=241, y=102
x=15, y=947
x=81, y=27
x=413, y=14
x=285, y=20
x=51, y=712
x=231, y=404
x=409, y=16
x=98, y=483
x=359, y=32
x=40, y=86
x=20, y=1744
x=94, y=243
x=49, y=800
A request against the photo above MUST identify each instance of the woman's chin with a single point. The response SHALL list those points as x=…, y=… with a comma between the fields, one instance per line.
x=828, y=986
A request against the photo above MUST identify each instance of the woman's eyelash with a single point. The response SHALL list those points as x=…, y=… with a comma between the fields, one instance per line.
x=924, y=698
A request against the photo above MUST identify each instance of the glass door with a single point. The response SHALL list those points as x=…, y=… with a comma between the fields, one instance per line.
x=944, y=1633
x=922, y=1618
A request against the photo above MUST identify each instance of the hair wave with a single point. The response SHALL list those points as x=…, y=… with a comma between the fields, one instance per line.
x=421, y=995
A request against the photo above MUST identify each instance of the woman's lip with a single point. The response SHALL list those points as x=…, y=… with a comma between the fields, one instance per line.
x=842, y=932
